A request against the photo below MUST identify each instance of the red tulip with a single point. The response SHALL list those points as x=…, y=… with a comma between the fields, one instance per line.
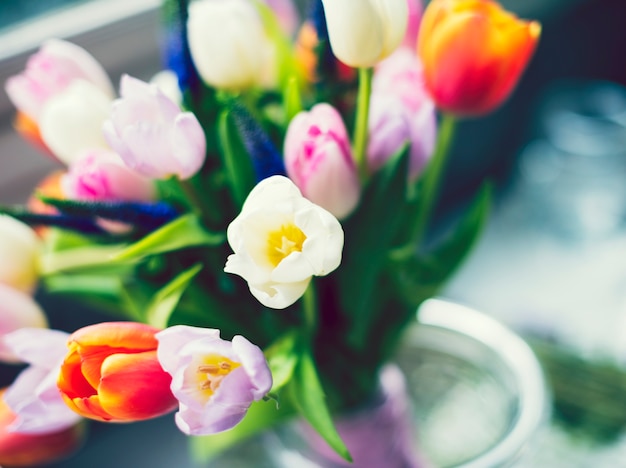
x=111, y=373
x=474, y=53
x=18, y=449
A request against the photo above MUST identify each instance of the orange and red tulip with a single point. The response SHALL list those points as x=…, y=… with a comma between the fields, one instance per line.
x=474, y=53
x=111, y=373
x=19, y=449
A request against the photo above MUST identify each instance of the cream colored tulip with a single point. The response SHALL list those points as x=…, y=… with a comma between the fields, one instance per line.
x=229, y=44
x=19, y=254
x=363, y=32
x=71, y=121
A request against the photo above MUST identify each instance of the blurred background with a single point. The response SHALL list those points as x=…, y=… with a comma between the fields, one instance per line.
x=552, y=263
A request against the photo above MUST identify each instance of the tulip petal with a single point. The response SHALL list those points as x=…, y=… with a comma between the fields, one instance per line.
x=173, y=339
x=135, y=387
x=130, y=335
x=39, y=347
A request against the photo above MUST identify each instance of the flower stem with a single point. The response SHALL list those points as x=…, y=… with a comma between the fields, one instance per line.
x=362, y=119
x=195, y=203
x=428, y=193
x=309, y=305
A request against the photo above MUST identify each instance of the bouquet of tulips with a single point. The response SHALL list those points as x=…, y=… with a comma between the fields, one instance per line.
x=254, y=219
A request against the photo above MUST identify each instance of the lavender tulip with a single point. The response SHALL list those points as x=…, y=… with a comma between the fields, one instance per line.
x=214, y=380
x=151, y=133
x=17, y=310
x=34, y=396
x=102, y=175
x=401, y=111
x=319, y=160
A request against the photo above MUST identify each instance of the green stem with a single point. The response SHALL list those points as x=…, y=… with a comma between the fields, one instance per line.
x=428, y=193
x=362, y=118
x=309, y=306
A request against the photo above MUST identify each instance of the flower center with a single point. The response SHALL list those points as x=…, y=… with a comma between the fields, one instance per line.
x=211, y=371
x=282, y=242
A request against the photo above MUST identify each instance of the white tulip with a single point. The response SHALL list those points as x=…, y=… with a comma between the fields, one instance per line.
x=71, y=121
x=363, y=32
x=281, y=240
x=19, y=254
x=229, y=45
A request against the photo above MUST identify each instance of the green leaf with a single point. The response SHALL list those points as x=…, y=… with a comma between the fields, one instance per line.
x=166, y=299
x=419, y=277
x=369, y=234
x=185, y=231
x=282, y=358
x=236, y=160
x=260, y=416
x=308, y=397
x=89, y=259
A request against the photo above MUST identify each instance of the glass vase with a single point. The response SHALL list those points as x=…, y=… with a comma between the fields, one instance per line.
x=463, y=391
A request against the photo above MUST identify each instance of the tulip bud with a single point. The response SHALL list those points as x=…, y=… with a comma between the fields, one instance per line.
x=102, y=175
x=17, y=310
x=111, y=373
x=72, y=120
x=215, y=380
x=474, y=53
x=19, y=254
x=229, y=45
x=401, y=111
x=22, y=450
x=363, y=32
x=49, y=72
x=319, y=160
x=152, y=135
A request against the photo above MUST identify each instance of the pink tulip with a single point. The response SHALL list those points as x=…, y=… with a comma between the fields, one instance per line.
x=401, y=111
x=319, y=160
x=413, y=26
x=214, y=380
x=48, y=72
x=34, y=396
x=151, y=133
x=17, y=310
x=102, y=175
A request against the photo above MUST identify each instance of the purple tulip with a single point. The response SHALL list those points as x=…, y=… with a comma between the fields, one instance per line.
x=214, y=380
x=34, y=396
x=151, y=133
x=101, y=175
x=319, y=160
x=400, y=112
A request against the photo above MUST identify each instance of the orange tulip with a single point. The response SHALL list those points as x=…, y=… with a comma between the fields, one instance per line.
x=111, y=373
x=18, y=449
x=474, y=53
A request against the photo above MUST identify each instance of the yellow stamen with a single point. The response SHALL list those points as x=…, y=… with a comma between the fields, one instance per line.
x=282, y=242
x=211, y=371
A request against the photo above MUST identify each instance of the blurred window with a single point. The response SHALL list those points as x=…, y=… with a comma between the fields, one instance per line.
x=13, y=12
